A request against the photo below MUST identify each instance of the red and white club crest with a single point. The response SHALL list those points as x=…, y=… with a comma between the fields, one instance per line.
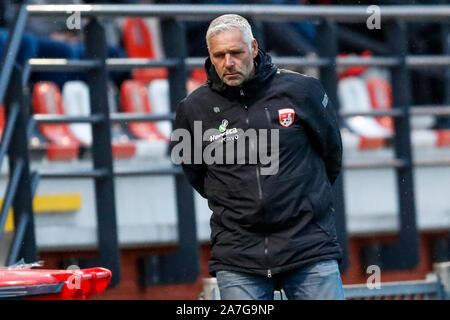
x=286, y=116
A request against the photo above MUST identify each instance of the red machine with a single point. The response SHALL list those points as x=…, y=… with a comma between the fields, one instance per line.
x=35, y=284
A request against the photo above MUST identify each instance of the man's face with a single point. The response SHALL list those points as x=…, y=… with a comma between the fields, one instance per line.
x=231, y=56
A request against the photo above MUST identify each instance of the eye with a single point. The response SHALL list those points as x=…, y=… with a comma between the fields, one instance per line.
x=236, y=53
x=218, y=55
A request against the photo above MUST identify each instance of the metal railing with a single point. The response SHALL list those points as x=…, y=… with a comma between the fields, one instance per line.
x=263, y=12
x=430, y=289
x=402, y=254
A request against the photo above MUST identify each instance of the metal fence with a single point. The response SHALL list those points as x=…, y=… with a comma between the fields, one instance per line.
x=183, y=266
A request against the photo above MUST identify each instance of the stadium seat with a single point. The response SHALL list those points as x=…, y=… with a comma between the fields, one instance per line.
x=119, y=133
x=424, y=138
x=158, y=95
x=380, y=94
x=63, y=145
x=443, y=138
x=354, y=97
x=199, y=75
x=352, y=71
x=352, y=141
x=134, y=99
x=76, y=102
x=359, y=91
x=362, y=88
x=139, y=43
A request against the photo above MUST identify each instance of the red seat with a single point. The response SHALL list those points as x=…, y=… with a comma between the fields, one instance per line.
x=199, y=74
x=366, y=143
x=44, y=284
x=353, y=141
x=134, y=98
x=198, y=78
x=47, y=100
x=443, y=138
x=123, y=150
x=380, y=93
x=352, y=71
x=139, y=43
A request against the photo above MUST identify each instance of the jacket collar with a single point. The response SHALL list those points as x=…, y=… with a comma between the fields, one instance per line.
x=264, y=70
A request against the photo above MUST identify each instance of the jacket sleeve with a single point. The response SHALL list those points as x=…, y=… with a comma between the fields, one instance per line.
x=195, y=173
x=323, y=128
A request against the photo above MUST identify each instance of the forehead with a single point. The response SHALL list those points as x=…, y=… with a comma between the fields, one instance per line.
x=227, y=40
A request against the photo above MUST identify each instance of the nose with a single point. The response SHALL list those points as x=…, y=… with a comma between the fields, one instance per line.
x=228, y=61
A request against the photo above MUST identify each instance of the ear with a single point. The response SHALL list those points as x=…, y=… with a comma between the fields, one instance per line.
x=254, y=48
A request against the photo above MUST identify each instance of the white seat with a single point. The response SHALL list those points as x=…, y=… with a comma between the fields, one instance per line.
x=76, y=103
x=158, y=95
x=354, y=97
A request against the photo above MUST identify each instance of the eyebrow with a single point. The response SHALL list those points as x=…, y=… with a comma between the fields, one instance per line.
x=229, y=50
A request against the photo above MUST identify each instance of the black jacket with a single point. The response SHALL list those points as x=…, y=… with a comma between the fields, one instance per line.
x=266, y=224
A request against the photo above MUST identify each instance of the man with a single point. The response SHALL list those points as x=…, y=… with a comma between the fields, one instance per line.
x=273, y=230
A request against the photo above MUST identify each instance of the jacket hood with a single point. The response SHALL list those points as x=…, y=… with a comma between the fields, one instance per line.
x=265, y=69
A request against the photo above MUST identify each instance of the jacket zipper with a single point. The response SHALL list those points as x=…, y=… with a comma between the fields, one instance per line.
x=266, y=237
x=260, y=194
x=241, y=93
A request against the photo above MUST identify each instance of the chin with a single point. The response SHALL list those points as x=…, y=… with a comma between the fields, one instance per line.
x=233, y=83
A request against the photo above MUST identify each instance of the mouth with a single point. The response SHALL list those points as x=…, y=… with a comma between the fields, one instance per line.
x=231, y=74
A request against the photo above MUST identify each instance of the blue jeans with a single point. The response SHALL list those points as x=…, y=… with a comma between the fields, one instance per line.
x=321, y=281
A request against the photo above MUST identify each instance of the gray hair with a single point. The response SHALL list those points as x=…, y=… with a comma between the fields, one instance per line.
x=228, y=22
